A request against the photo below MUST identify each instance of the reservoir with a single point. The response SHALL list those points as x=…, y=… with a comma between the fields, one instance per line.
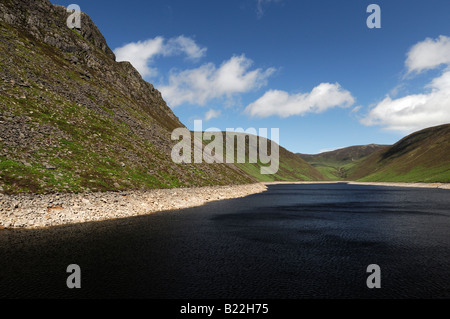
x=291, y=242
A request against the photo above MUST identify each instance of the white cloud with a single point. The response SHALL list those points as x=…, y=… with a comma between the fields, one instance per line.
x=182, y=44
x=142, y=53
x=203, y=84
x=356, y=109
x=211, y=114
x=416, y=111
x=283, y=104
x=260, y=6
x=428, y=108
x=429, y=54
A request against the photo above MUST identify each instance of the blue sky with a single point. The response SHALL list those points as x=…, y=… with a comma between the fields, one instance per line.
x=313, y=69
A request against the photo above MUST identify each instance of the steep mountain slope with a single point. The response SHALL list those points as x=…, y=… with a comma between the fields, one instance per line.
x=423, y=156
x=73, y=119
x=335, y=164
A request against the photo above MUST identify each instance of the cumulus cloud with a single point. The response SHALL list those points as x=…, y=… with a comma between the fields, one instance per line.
x=142, y=53
x=211, y=114
x=203, y=84
x=414, y=112
x=429, y=54
x=425, y=109
x=283, y=104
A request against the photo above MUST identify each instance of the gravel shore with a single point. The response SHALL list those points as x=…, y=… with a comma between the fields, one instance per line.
x=36, y=211
x=391, y=184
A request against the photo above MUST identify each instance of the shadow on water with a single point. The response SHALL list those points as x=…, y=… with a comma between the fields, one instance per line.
x=291, y=242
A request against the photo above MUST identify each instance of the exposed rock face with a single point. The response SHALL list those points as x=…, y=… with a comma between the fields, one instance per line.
x=74, y=119
x=34, y=16
x=47, y=23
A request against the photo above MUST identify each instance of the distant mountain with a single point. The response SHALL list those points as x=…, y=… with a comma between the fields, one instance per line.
x=335, y=164
x=291, y=167
x=423, y=156
x=344, y=155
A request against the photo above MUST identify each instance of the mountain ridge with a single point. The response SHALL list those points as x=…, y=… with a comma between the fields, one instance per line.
x=422, y=156
x=335, y=164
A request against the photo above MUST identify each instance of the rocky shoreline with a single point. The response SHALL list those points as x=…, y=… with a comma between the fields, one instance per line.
x=389, y=184
x=38, y=211
x=420, y=185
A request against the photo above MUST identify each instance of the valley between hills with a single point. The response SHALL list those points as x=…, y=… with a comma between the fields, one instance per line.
x=422, y=157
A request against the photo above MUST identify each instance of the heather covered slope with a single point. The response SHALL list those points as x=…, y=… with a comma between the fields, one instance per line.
x=73, y=119
x=423, y=156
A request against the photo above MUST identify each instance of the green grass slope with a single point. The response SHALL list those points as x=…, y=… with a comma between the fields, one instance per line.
x=290, y=166
x=423, y=156
x=334, y=165
x=72, y=119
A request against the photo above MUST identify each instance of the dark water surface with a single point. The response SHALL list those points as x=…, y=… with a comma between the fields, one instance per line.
x=291, y=242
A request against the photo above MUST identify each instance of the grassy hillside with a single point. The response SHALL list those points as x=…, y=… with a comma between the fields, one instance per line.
x=420, y=157
x=291, y=167
x=72, y=119
x=334, y=165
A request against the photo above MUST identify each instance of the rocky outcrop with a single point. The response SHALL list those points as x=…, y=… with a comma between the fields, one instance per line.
x=33, y=17
x=48, y=23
